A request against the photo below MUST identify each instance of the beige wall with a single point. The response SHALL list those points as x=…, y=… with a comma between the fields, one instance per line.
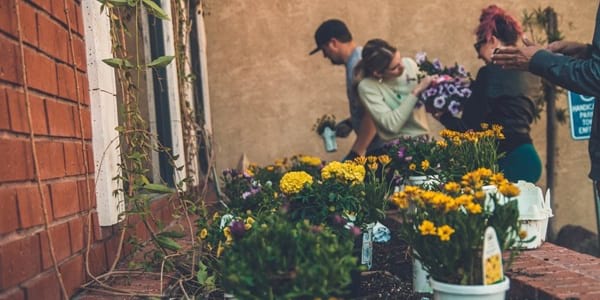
x=266, y=92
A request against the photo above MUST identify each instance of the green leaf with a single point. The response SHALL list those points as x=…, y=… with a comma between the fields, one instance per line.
x=118, y=63
x=161, y=62
x=155, y=9
x=172, y=234
x=202, y=274
x=158, y=188
x=168, y=243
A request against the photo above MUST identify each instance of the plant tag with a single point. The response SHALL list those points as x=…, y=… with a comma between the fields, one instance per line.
x=367, y=247
x=492, y=258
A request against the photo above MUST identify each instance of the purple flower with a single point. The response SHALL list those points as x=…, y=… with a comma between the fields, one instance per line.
x=452, y=89
x=355, y=231
x=237, y=229
x=430, y=92
x=401, y=152
x=437, y=64
x=454, y=108
x=466, y=92
x=461, y=71
x=439, y=102
x=420, y=57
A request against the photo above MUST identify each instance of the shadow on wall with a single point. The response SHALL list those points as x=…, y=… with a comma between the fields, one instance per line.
x=578, y=239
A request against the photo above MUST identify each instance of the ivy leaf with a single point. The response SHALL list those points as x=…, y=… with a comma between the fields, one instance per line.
x=118, y=63
x=161, y=62
x=158, y=188
x=202, y=274
x=155, y=9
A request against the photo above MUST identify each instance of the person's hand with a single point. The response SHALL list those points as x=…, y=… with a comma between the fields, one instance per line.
x=514, y=57
x=343, y=128
x=424, y=84
x=575, y=49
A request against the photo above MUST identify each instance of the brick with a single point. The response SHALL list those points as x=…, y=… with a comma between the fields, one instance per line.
x=74, y=159
x=8, y=19
x=53, y=38
x=84, y=89
x=12, y=294
x=18, y=160
x=80, y=21
x=76, y=234
x=45, y=286
x=66, y=82
x=90, y=157
x=20, y=260
x=64, y=198
x=10, y=64
x=73, y=274
x=51, y=158
x=18, y=112
x=41, y=72
x=87, y=122
x=29, y=24
x=8, y=206
x=112, y=246
x=60, y=241
x=80, y=53
x=4, y=113
x=44, y=4
x=29, y=202
x=97, y=259
x=84, y=203
x=60, y=118
x=96, y=227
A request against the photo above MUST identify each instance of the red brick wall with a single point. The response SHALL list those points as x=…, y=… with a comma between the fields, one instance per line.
x=26, y=267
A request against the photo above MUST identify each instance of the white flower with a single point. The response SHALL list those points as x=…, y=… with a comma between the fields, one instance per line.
x=420, y=57
x=439, y=101
x=454, y=108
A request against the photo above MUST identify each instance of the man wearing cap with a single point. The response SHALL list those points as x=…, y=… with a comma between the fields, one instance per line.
x=335, y=41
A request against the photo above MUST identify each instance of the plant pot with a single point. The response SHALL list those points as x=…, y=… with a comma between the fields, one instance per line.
x=420, y=282
x=447, y=291
x=366, y=255
x=424, y=181
x=329, y=139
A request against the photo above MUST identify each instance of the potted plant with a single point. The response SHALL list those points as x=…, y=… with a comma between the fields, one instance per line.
x=279, y=259
x=446, y=229
x=325, y=127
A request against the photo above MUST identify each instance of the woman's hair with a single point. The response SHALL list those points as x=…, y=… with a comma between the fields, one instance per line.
x=377, y=55
x=497, y=22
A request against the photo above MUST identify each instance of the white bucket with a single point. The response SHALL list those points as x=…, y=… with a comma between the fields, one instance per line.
x=420, y=282
x=446, y=291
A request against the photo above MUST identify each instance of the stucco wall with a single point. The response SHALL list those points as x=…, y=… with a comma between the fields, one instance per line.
x=266, y=92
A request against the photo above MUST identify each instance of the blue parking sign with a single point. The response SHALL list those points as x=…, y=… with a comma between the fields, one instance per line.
x=581, y=109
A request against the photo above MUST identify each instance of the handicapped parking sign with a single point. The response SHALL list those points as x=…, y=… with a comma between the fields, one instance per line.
x=581, y=109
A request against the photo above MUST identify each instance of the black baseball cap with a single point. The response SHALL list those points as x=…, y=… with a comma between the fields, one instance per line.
x=331, y=28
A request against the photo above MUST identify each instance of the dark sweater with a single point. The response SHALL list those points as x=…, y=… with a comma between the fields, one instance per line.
x=499, y=97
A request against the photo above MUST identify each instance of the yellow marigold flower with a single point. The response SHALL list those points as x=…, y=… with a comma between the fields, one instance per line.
x=227, y=233
x=203, y=233
x=384, y=159
x=442, y=144
x=456, y=141
x=294, y=182
x=216, y=216
x=310, y=160
x=247, y=226
x=509, y=190
x=249, y=220
x=427, y=228
x=464, y=199
x=270, y=168
x=220, y=250
x=474, y=208
x=444, y=232
x=425, y=165
x=522, y=234
x=371, y=159
x=361, y=160
x=249, y=172
x=452, y=187
x=412, y=167
x=451, y=205
x=479, y=195
x=373, y=166
x=484, y=126
x=497, y=179
x=400, y=199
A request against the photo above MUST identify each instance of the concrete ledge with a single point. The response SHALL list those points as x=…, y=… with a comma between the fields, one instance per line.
x=554, y=272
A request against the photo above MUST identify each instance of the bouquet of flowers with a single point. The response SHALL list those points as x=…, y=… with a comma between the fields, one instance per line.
x=446, y=228
x=325, y=127
x=449, y=91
